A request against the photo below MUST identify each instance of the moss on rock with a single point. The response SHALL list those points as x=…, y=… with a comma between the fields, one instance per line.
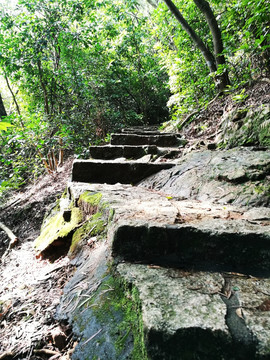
x=56, y=227
x=97, y=217
x=122, y=298
x=91, y=198
x=93, y=227
x=89, y=202
x=91, y=212
x=116, y=309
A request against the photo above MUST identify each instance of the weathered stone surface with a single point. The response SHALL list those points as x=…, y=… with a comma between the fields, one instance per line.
x=166, y=140
x=150, y=227
x=186, y=316
x=190, y=247
x=168, y=153
x=248, y=126
x=182, y=309
x=169, y=295
x=111, y=172
x=237, y=176
x=141, y=130
x=220, y=245
x=129, y=152
x=77, y=308
x=254, y=293
x=129, y=203
x=178, y=319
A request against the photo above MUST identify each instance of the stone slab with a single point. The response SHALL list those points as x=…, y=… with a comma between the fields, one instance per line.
x=182, y=309
x=129, y=203
x=185, y=312
x=140, y=130
x=237, y=176
x=112, y=172
x=210, y=245
x=162, y=140
x=151, y=227
x=117, y=151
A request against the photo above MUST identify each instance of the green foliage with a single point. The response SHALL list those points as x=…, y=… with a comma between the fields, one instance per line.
x=246, y=38
x=19, y=151
x=4, y=125
x=190, y=82
x=240, y=97
x=80, y=69
x=87, y=61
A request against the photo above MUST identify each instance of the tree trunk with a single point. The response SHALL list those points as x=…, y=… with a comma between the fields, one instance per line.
x=212, y=61
x=2, y=108
x=205, y=8
x=209, y=58
x=13, y=95
x=46, y=101
x=153, y=3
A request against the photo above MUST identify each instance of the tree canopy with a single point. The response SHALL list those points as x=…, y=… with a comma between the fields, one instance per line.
x=78, y=69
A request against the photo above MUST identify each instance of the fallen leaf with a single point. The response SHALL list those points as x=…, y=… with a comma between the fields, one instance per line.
x=154, y=267
x=265, y=305
x=239, y=313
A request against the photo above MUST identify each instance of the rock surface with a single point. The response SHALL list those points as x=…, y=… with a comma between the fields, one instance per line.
x=236, y=176
x=165, y=140
x=130, y=152
x=114, y=171
x=180, y=303
x=181, y=269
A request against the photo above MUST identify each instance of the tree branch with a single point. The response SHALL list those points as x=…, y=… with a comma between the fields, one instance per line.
x=46, y=102
x=3, y=112
x=13, y=95
x=205, y=8
x=209, y=57
x=12, y=237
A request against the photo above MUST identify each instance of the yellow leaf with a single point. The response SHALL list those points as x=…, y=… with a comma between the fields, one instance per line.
x=239, y=313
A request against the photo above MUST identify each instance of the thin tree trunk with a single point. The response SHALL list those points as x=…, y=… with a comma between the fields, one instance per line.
x=46, y=101
x=205, y=8
x=153, y=3
x=209, y=58
x=2, y=108
x=13, y=95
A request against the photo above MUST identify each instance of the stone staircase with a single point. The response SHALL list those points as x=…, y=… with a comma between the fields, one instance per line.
x=202, y=275
x=129, y=158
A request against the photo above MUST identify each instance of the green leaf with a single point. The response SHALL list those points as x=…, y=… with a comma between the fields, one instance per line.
x=4, y=125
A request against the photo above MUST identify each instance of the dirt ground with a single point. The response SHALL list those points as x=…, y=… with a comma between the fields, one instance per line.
x=30, y=287
x=205, y=125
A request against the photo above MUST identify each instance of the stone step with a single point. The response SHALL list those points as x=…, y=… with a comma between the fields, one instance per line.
x=210, y=245
x=140, y=130
x=185, y=312
x=112, y=172
x=162, y=140
x=109, y=152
